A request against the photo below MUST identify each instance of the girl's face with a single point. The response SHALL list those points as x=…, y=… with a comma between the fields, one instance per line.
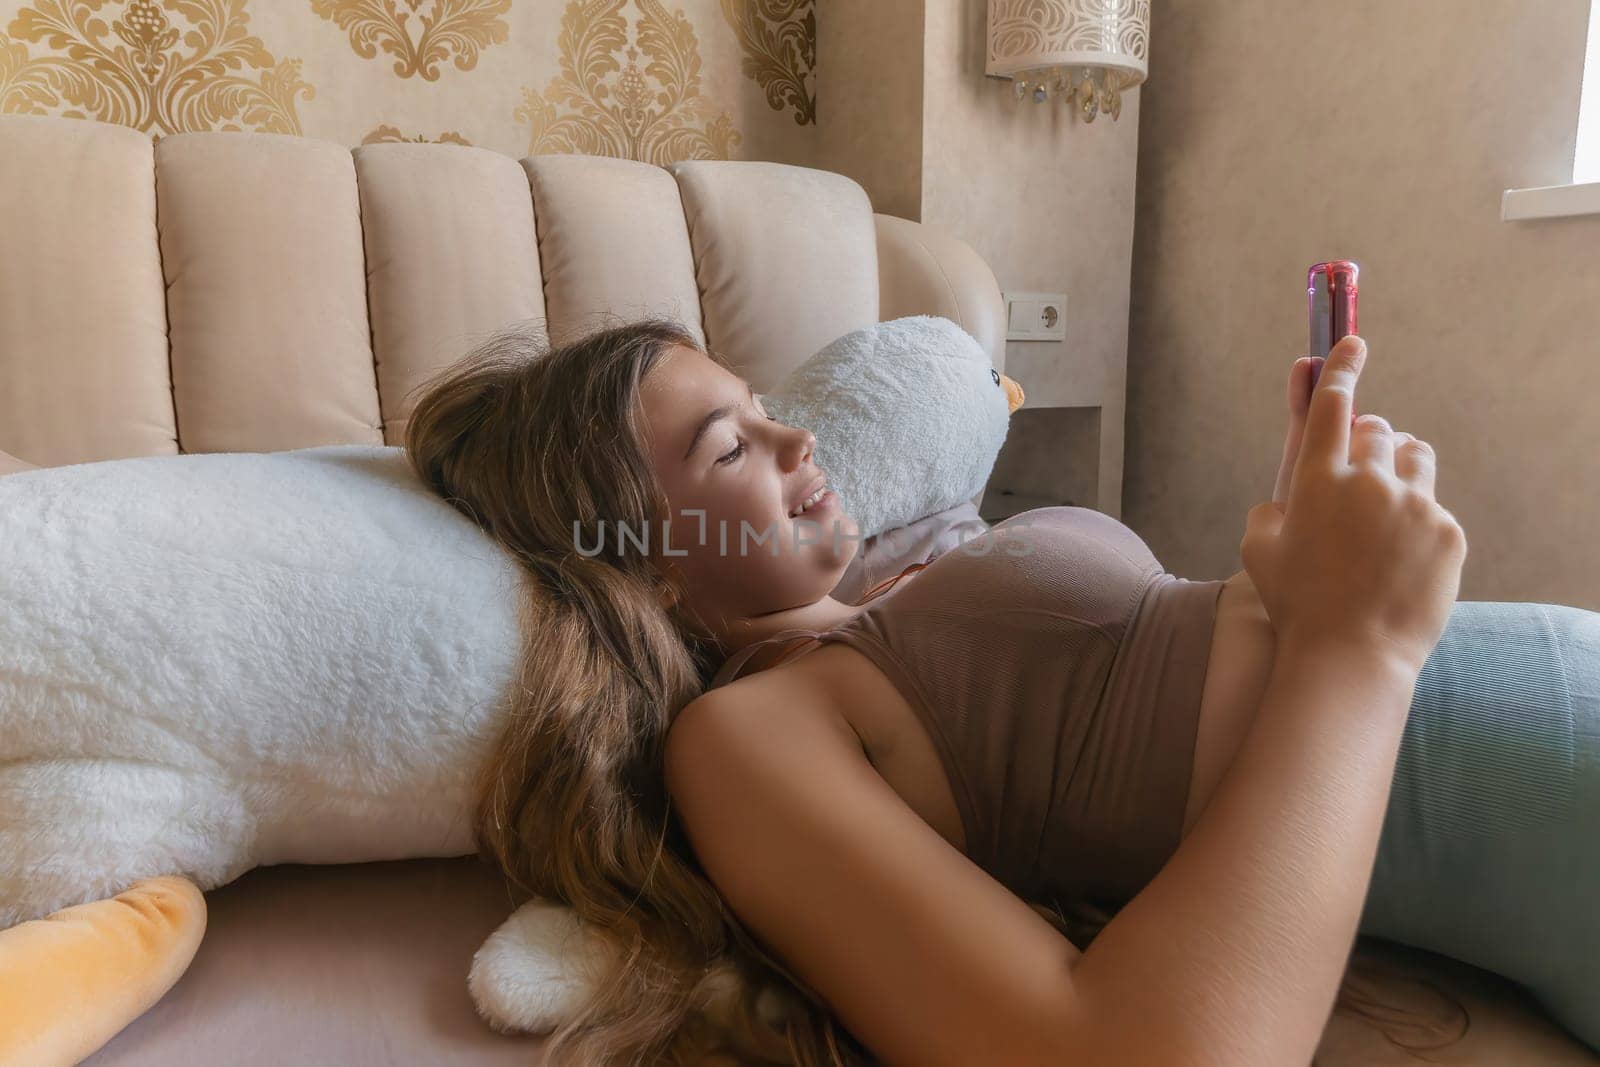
x=735, y=480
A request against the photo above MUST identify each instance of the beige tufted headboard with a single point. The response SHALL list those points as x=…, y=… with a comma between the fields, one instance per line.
x=214, y=292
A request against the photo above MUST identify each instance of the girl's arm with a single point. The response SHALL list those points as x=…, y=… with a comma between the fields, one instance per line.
x=1299, y=408
x=1234, y=952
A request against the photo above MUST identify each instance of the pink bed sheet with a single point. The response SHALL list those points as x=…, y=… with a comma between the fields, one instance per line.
x=366, y=964
x=349, y=965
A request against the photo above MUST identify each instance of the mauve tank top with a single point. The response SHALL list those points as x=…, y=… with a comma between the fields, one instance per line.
x=1058, y=669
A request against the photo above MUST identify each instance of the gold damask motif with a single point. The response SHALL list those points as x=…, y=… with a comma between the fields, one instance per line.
x=654, y=115
x=462, y=27
x=779, y=38
x=385, y=133
x=145, y=81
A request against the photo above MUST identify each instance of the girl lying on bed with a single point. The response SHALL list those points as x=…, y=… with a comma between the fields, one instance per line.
x=1037, y=801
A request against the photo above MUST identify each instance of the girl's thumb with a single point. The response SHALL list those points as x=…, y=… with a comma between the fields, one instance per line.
x=1267, y=515
x=1261, y=526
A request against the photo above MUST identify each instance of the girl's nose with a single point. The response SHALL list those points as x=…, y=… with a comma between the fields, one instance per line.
x=800, y=445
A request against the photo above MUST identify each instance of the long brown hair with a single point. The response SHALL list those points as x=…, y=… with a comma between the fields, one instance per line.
x=540, y=446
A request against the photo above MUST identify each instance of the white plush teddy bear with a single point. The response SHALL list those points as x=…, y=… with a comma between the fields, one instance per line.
x=218, y=661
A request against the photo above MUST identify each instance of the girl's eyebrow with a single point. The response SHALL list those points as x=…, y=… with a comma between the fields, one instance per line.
x=711, y=417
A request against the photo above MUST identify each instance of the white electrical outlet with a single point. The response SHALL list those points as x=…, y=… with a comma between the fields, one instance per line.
x=1036, y=316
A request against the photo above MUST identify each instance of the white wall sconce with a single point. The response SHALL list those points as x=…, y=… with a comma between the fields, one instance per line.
x=1087, y=51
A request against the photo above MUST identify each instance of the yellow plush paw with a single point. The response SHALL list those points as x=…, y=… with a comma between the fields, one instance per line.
x=71, y=980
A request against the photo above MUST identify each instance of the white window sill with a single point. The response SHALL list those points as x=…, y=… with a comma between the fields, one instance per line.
x=1550, y=201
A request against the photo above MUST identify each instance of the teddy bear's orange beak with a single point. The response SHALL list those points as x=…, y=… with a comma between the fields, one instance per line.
x=1014, y=393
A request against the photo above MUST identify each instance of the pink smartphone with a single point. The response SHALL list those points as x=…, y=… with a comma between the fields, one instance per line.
x=1331, y=292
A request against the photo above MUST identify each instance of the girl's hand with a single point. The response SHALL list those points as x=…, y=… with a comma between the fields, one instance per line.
x=1359, y=552
x=1299, y=405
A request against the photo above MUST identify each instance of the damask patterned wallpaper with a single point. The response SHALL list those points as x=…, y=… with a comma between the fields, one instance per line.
x=642, y=79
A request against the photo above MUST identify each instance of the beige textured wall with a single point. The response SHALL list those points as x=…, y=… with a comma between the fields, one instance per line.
x=1048, y=200
x=1045, y=198
x=871, y=93
x=642, y=79
x=1275, y=135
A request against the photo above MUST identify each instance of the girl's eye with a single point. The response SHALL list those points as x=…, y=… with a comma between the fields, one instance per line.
x=735, y=454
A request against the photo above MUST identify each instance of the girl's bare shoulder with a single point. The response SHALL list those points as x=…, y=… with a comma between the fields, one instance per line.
x=825, y=680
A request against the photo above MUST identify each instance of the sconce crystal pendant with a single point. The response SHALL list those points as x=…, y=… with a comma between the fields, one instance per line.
x=1087, y=51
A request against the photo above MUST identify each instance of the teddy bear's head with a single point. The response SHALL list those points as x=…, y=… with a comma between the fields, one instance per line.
x=909, y=416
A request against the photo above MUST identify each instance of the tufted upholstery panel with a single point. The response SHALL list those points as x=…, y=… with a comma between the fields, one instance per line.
x=451, y=256
x=266, y=294
x=83, y=319
x=925, y=271
x=257, y=292
x=786, y=257
x=612, y=241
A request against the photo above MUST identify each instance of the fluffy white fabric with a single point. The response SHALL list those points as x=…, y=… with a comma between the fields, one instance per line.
x=537, y=968
x=211, y=662
x=911, y=409
x=541, y=966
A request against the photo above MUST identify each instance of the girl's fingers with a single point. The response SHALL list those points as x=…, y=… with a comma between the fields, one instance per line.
x=1299, y=404
x=1300, y=385
x=1328, y=423
x=1414, y=462
x=1280, y=489
x=1372, y=443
